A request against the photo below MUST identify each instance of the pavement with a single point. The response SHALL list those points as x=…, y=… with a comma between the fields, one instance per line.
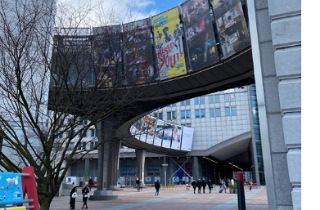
x=177, y=198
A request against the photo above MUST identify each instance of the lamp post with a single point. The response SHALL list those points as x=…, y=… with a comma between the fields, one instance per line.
x=165, y=165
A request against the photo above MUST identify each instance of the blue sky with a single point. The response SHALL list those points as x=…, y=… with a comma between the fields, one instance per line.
x=120, y=11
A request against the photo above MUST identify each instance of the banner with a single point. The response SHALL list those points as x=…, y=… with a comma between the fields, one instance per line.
x=187, y=138
x=231, y=25
x=107, y=55
x=138, y=52
x=199, y=33
x=168, y=45
x=11, y=188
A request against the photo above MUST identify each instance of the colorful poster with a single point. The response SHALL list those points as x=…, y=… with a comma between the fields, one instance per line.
x=187, y=138
x=138, y=52
x=231, y=25
x=107, y=56
x=176, y=137
x=10, y=188
x=199, y=33
x=168, y=45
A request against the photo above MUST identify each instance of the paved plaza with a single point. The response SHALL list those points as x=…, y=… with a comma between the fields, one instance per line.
x=176, y=198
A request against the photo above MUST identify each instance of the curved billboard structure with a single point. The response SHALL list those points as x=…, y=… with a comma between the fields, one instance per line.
x=193, y=49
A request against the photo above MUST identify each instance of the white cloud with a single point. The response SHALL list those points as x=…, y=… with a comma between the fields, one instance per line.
x=104, y=12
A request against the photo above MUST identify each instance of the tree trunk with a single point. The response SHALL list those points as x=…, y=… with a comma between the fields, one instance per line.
x=45, y=203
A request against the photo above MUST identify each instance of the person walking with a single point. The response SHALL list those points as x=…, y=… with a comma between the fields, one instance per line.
x=194, y=185
x=90, y=182
x=199, y=184
x=157, y=187
x=204, y=184
x=138, y=183
x=85, y=194
x=73, y=196
x=209, y=183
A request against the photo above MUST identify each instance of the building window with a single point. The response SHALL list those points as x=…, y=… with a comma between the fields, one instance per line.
x=172, y=115
x=158, y=115
x=185, y=114
x=200, y=113
x=230, y=111
x=214, y=99
x=185, y=103
x=186, y=124
x=84, y=145
x=215, y=112
x=173, y=105
x=229, y=97
x=199, y=100
x=92, y=132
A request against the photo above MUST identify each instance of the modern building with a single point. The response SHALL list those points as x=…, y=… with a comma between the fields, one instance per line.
x=224, y=142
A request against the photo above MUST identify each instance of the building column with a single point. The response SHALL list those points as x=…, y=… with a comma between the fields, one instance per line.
x=140, y=158
x=108, y=160
x=195, y=168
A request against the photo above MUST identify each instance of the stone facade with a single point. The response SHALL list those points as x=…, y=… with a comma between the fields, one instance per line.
x=275, y=28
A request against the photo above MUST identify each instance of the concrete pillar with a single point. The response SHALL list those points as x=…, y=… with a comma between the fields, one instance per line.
x=141, y=156
x=195, y=168
x=108, y=160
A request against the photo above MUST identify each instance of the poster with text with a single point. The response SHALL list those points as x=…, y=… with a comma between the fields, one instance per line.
x=231, y=25
x=11, y=188
x=176, y=137
x=187, y=138
x=168, y=45
x=200, y=38
x=138, y=52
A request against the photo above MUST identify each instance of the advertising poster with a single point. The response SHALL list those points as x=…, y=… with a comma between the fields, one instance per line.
x=136, y=128
x=187, y=138
x=168, y=45
x=148, y=127
x=231, y=25
x=107, y=55
x=199, y=33
x=176, y=137
x=10, y=188
x=138, y=52
x=79, y=62
x=159, y=133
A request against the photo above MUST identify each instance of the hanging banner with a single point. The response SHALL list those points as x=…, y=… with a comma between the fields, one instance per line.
x=138, y=52
x=107, y=55
x=231, y=25
x=168, y=45
x=187, y=138
x=199, y=33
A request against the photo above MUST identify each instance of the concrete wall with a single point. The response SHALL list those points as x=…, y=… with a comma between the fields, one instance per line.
x=275, y=28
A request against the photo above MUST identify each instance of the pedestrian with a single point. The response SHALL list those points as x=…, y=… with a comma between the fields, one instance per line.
x=250, y=184
x=204, y=184
x=85, y=194
x=90, y=182
x=209, y=183
x=138, y=183
x=157, y=187
x=194, y=185
x=199, y=184
x=73, y=196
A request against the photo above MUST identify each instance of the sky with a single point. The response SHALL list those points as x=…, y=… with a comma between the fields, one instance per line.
x=121, y=11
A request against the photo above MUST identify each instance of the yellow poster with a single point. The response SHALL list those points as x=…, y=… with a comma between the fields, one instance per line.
x=168, y=44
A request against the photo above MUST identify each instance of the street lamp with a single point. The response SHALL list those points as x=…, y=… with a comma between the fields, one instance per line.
x=165, y=174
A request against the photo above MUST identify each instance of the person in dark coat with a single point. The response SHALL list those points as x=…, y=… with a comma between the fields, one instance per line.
x=199, y=184
x=204, y=184
x=90, y=182
x=85, y=195
x=157, y=187
x=194, y=185
x=73, y=198
x=209, y=183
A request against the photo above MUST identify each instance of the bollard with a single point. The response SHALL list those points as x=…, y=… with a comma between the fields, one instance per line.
x=240, y=194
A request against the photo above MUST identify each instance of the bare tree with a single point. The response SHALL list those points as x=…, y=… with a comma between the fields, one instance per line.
x=31, y=135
